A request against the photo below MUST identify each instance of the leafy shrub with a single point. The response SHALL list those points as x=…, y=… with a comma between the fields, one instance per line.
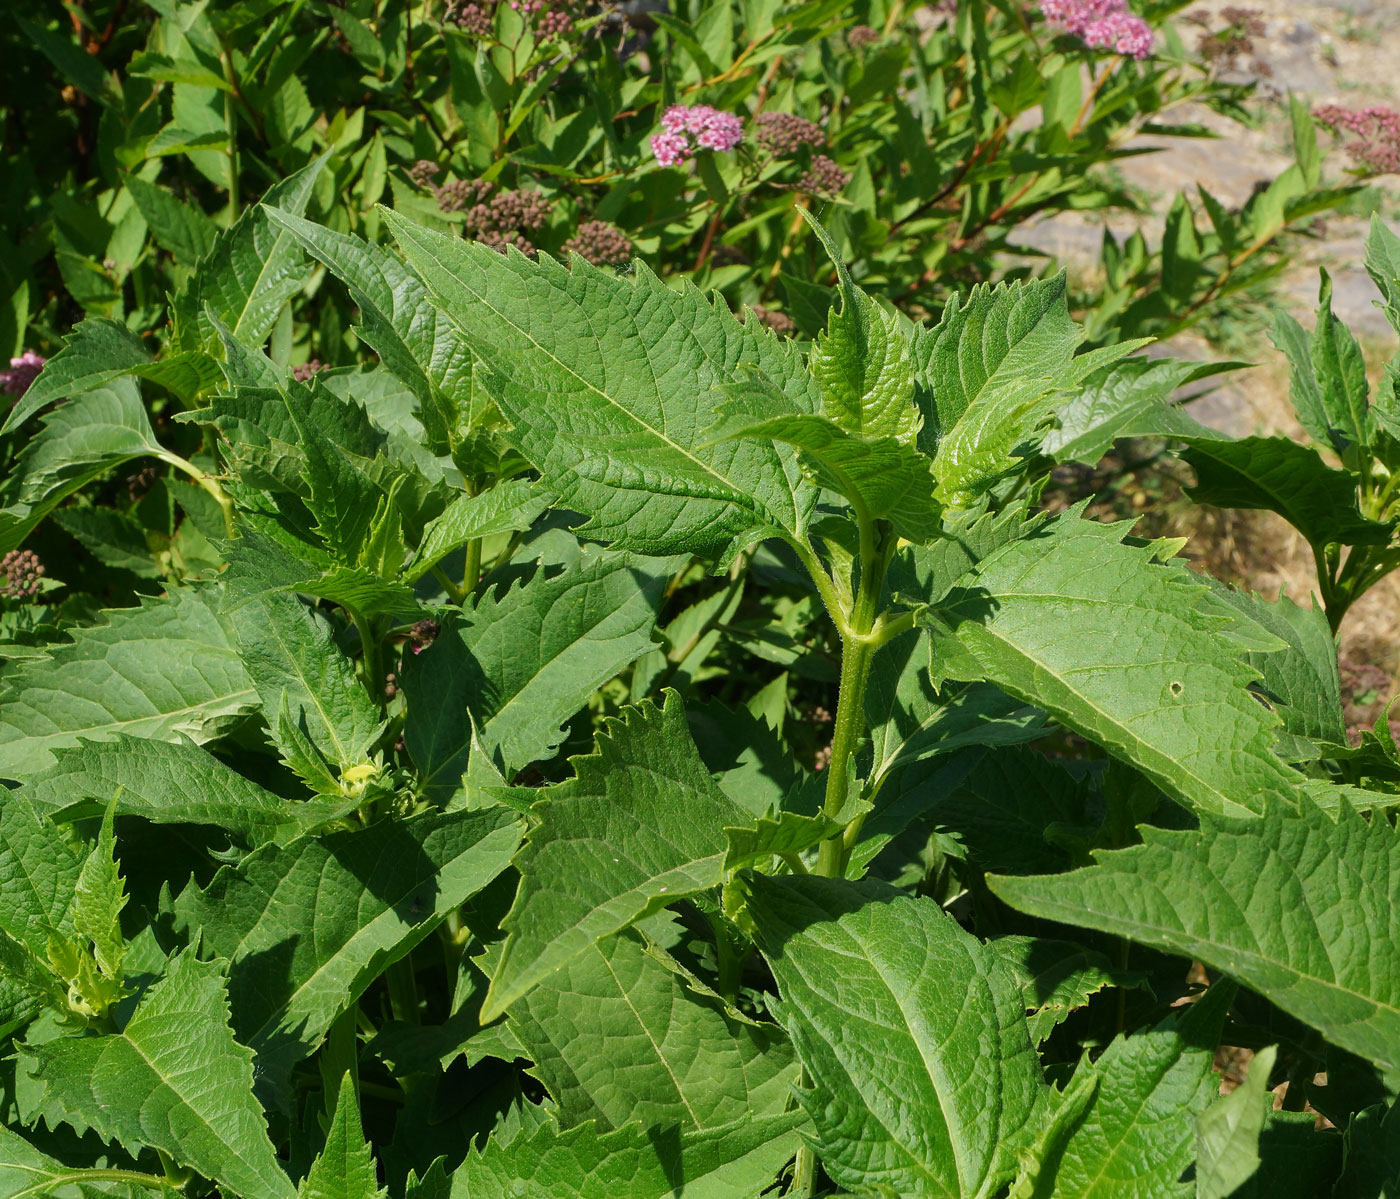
x=298, y=882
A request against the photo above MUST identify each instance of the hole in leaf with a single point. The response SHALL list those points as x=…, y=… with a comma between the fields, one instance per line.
x=1175, y=687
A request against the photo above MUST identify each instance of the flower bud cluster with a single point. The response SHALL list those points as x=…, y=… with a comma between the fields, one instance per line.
x=710, y=129
x=1377, y=129
x=784, y=133
x=822, y=178
x=779, y=322
x=1101, y=25
x=424, y=173
x=21, y=575
x=304, y=370
x=23, y=371
x=476, y=18
x=461, y=193
x=423, y=633
x=860, y=36
x=600, y=243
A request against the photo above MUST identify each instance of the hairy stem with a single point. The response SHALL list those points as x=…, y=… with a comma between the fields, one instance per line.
x=372, y=662
x=471, y=573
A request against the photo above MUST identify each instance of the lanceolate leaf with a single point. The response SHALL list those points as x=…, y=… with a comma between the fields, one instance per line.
x=1116, y=645
x=1137, y=1134
x=345, y=1168
x=174, y=1079
x=160, y=670
x=616, y=1036
x=1227, y=1132
x=541, y=649
x=504, y=508
x=170, y=782
x=308, y=925
x=1303, y=909
x=639, y=825
x=630, y=1163
x=923, y=1078
x=1281, y=476
x=1057, y=978
x=39, y=872
x=609, y=382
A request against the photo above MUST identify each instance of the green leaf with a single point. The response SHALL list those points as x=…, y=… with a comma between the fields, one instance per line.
x=638, y=362
x=1131, y=399
x=1137, y=1134
x=1340, y=368
x=641, y=824
x=414, y=339
x=1282, y=476
x=1304, y=392
x=178, y=227
x=291, y=656
x=923, y=1078
x=80, y=442
x=370, y=895
x=1122, y=649
x=884, y=478
x=616, y=1036
x=1383, y=265
x=253, y=269
x=98, y=898
x=505, y=508
x=159, y=670
x=542, y=648
x=94, y=353
x=26, y=1173
x=1057, y=978
x=1372, y=1164
x=344, y=1169
x=1299, y=907
x=39, y=873
x=169, y=782
x=863, y=363
x=1227, y=1132
x=174, y=1079
x=630, y=1163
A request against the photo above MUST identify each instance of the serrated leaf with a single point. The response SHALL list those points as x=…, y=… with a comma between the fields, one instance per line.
x=369, y=895
x=1383, y=265
x=1131, y=399
x=27, y=1173
x=179, y=227
x=253, y=269
x=541, y=649
x=170, y=782
x=1227, y=1132
x=291, y=657
x=638, y=363
x=784, y=833
x=863, y=362
x=884, y=477
x=39, y=873
x=95, y=352
x=1057, y=978
x=1299, y=907
x=923, y=1078
x=80, y=442
x=344, y=1169
x=1116, y=645
x=1340, y=369
x=630, y=1163
x=161, y=670
x=414, y=339
x=507, y=507
x=1137, y=1134
x=98, y=898
x=175, y=1080
x=639, y=825
x=616, y=1037
x=1304, y=391
x=1282, y=476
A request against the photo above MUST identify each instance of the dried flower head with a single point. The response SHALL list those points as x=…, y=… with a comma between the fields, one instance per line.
x=1101, y=25
x=21, y=575
x=822, y=178
x=779, y=322
x=23, y=371
x=600, y=243
x=710, y=129
x=784, y=133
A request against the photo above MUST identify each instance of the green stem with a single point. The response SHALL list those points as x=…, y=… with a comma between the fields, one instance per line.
x=403, y=991
x=208, y=482
x=372, y=661
x=471, y=573
x=730, y=959
x=454, y=593
x=231, y=132
x=130, y=1176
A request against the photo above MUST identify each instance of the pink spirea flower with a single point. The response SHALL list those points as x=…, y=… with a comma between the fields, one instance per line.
x=1101, y=25
x=23, y=371
x=711, y=129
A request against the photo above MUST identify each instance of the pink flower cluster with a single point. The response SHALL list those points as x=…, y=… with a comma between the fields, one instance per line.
x=23, y=371
x=1377, y=148
x=1102, y=25
x=711, y=129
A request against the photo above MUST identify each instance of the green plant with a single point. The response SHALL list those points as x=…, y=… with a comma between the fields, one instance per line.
x=298, y=884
